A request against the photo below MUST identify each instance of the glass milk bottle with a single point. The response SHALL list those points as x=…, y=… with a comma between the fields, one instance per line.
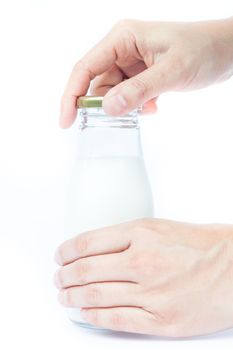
x=108, y=183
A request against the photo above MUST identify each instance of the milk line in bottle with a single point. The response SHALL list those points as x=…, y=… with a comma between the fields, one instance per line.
x=108, y=183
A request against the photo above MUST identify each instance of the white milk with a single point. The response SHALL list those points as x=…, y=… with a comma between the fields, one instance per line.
x=104, y=191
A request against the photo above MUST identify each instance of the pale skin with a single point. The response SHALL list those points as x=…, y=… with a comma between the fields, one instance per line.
x=150, y=276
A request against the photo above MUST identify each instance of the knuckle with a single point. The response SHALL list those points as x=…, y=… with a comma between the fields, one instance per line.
x=93, y=316
x=169, y=314
x=143, y=223
x=117, y=320
x=82, y=270
x=82, y=65
x=82, y=244
x=138, y=261
x=92, y=295
x=142, y=265
x=141, y=228
x=174, y=319
x=77, y=66
x=124, y=23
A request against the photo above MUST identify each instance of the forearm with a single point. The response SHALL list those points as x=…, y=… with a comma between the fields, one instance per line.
x=219, y=233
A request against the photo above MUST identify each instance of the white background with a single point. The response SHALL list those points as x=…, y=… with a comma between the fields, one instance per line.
x=188, y=150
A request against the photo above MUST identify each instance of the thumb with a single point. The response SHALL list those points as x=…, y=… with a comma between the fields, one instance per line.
x=134, y=92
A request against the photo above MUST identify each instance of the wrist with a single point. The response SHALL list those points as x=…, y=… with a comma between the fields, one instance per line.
x=221, y=255
x=221, y=34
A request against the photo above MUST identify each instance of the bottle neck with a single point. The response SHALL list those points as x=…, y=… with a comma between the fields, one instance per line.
x=101, y=135
x=96, y=117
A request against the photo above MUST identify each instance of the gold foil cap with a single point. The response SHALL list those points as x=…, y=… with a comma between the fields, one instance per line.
x=89, y=101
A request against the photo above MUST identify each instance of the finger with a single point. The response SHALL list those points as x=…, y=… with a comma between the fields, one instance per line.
x=103, y=83
x=134, y=92
x=113, y=76
x=107, y=294
x=109, y=239
x=101, y=90
x=126, y=319
x=106, y=81
x=95, y=62
x=99, y=268
x=150, y=107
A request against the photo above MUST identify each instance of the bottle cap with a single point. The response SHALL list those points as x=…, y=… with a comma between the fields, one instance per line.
x=89, y=101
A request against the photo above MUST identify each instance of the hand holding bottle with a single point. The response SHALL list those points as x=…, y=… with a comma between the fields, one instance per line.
x=151, y=276
x=137, y=61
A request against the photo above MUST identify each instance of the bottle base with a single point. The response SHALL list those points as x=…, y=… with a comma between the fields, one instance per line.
x=88, y=326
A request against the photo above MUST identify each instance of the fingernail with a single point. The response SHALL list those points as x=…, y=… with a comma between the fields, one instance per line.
x=114, y=104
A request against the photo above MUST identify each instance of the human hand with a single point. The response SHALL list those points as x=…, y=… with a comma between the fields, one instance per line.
x=137, y=61
x=151, y=276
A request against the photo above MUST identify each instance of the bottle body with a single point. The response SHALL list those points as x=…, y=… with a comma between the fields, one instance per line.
x=108, y=184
